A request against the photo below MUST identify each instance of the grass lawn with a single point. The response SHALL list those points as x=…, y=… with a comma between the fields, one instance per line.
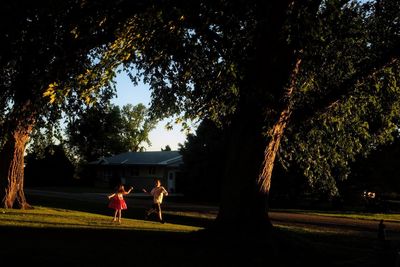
x=44, y=217
x=68, y=233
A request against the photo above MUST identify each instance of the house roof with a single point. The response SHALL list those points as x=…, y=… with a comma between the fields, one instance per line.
x=165, y=158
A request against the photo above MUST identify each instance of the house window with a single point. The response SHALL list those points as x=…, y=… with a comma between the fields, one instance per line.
x=152, y=170
x=134, y=171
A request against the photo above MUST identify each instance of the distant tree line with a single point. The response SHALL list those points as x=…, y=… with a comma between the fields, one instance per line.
x=98, y=131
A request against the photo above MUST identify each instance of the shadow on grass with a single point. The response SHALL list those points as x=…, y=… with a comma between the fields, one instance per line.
x=87, y=247
x=103, y=247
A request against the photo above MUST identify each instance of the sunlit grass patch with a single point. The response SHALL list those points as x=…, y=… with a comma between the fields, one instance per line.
x=44, y=217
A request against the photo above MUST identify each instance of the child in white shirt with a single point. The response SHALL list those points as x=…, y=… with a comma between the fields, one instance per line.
x=158, y=192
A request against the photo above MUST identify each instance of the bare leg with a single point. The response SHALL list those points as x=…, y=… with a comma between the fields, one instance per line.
x=119, y=215
x=150, y=211
x=160, y=214
x=115, y=215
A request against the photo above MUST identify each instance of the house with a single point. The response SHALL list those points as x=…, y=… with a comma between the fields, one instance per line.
x=140, y=169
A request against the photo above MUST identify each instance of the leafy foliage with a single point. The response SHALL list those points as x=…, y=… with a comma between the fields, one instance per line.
x=102, y=131
x=187, y=54
x=348, y=99
x=137, y=125
x=46, y=46
x=203, y=59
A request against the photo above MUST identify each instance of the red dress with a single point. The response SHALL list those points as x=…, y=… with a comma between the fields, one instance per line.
x=117, y=202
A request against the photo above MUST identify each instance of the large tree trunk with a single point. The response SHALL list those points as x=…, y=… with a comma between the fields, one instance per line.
x=12, y=167
x=243, y=205
x=244, y=202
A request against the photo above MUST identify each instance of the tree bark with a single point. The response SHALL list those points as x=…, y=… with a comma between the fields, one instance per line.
x=264, y=179
x=12, y=168
x=244, y=201
x=243, y=207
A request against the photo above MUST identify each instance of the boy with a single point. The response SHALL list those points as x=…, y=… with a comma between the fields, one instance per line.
x=158, y=193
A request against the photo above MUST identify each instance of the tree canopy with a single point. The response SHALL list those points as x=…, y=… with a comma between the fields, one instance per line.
x=347, y=102
x=46, y=45
x=200, y=58
x=102, y=131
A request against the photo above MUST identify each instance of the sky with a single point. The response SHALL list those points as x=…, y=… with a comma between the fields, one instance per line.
x=159, y=137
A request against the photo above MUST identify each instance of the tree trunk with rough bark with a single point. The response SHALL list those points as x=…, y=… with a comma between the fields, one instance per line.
x=242, y=206
x=244, y=201
x=12, y=168
x=264, y=179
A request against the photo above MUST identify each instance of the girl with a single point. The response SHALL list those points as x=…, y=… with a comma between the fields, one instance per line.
x=117, y=202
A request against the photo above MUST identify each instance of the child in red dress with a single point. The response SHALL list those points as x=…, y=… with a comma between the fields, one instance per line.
x=117, y=202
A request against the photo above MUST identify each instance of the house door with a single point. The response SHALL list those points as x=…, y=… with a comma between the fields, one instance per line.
x=171, y=182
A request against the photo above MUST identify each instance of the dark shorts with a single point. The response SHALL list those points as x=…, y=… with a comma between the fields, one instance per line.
x=157, y=207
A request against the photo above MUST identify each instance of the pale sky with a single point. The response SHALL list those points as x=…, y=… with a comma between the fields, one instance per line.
x=127, y=93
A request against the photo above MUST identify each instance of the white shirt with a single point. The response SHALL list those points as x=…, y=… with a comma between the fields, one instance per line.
x=158, y=194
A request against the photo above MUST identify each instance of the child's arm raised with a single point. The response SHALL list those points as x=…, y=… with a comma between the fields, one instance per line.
x=145, y=191
x=130, y=189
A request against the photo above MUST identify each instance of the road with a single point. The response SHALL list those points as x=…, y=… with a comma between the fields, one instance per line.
x=280, y=218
